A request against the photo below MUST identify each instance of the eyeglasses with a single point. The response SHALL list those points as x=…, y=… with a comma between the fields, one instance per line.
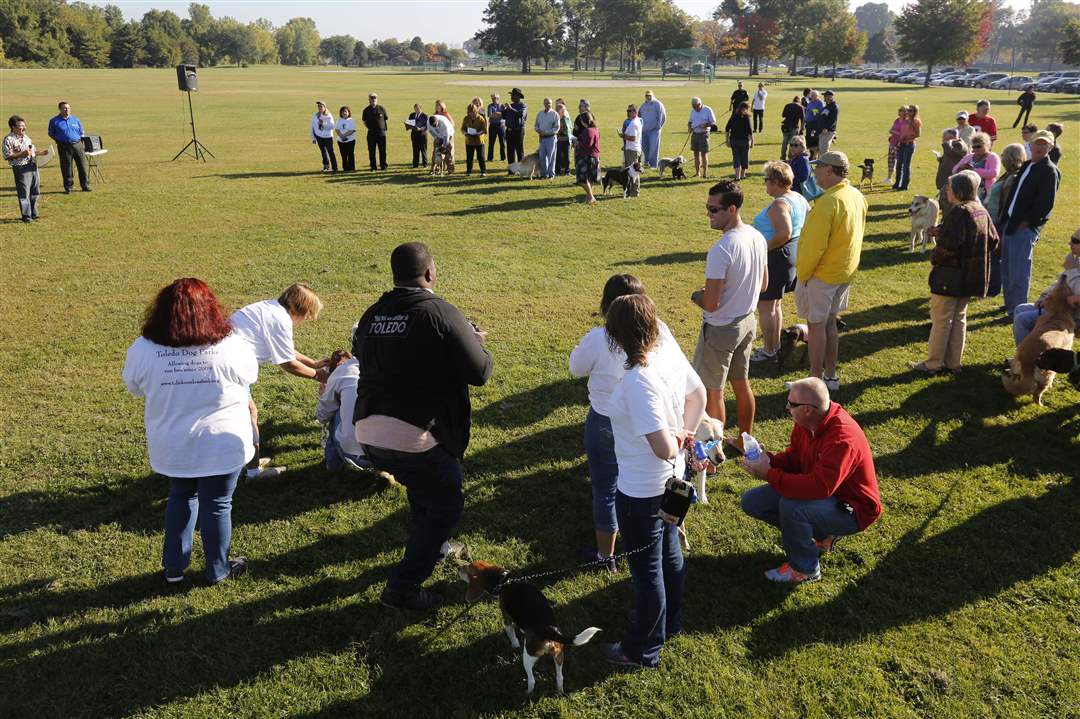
x=713, y=210
x=793, y=405
x=1074, y=240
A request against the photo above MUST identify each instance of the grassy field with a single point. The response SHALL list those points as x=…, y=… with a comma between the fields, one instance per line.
x=962, y=601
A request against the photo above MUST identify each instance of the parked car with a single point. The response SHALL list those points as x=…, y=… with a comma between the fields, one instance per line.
x=986, y=79
x=1060, y=84
x=1016, y=82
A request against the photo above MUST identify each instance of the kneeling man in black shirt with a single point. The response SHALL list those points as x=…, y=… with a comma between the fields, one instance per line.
x=418, y=355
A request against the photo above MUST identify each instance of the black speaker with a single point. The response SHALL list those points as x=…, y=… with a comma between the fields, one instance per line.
x=186, y=79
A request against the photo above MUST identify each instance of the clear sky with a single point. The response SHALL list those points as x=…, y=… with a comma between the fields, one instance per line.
x=452, y=21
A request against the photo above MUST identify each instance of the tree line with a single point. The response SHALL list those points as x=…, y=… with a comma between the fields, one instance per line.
x=55, y=33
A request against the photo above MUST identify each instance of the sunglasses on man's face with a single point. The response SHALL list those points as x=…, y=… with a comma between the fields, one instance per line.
x=1074, y=240
x=713, y=210
x=792, y=405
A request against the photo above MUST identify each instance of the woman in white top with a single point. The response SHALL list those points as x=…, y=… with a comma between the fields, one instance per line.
x=759, y=107
x=322, y=134
x=655, y=408
x=194, y=374
x=604, y=365
x=345, y=128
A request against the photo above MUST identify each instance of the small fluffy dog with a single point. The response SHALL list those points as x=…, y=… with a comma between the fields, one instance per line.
x=790, y=338
x=676, y=166
x=528, y=167
x=629, y=178
x=867, y=172
x=924, y=215
x=1054, y=329
x=526, y=612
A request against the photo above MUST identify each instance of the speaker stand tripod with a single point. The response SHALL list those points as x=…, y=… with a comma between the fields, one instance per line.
x=194, y=148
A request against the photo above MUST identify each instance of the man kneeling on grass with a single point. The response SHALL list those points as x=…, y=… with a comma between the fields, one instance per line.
x=819, y=489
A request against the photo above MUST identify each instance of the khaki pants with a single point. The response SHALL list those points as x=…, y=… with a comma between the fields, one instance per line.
x=949, y=318
x=824, y=143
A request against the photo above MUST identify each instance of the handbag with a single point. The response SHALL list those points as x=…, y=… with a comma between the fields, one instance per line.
x=947, y=281
x=810, y=189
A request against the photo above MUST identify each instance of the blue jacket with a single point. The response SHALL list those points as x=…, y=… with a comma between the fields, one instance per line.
x=65, y=129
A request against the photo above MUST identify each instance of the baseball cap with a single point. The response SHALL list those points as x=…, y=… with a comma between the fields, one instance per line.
x=827, y=93
x=963, y=114
x=320, y=102
x=1044, y=135
x=836, y=159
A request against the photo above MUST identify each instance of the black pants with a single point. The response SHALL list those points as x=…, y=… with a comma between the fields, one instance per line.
x=326, y=148
x=378, y=141
x=419, y=149
x=1025, y=112
x=348, y=155
x=478, y=151
x=69, y=151
x=496, y=132
x=515, y=145
x=562, y=156
x=759, y=120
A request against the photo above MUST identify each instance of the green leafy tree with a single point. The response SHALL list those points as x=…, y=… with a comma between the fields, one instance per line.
x=757, y=25
x=1045, y=29
x=873, y=17
x=922, y=25
x=578, y=22
x=668, y=28
x=201, y=27
x=519, y=29
x=878, y=49
x=298, y=42
x=1070, y=44
x=417, y=44
x=266, y=49
x=801, y=24
x=87, y=34
x=837, y=41
x=127, y=45
x=338, y=49
x=114, y=17
x=360, y=53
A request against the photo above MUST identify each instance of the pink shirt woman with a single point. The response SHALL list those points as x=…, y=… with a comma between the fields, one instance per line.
x=986, y=164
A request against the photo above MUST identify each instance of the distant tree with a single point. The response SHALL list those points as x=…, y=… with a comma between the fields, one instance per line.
x=266, y=49
x=360, y=53
x=873, y=17
x=298, y=42
x=338, y=49
x=417, y=44
x=114, y=17
x=668, y=28
x=801, y=24
x=201, y=27
x=1004, y=32
x=837, y=41
x=518, y=29
x=1070, y=44
x=709, y=36
x=577, y=20
x=391, y=49
x=87, y=34
x=162, y=34
x=757, y=23
x=472, y=46
x=1045, y=28
x=127, y=45
x=878, y=49
x=923, y=24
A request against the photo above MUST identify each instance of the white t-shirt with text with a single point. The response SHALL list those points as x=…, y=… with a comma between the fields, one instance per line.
x=739, y=258
x=196, y=414
x=648, y=399
x=269, y=328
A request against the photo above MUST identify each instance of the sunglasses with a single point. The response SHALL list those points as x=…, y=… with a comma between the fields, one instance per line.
x=792, y=405
x=973, y=146
x=1074, y=240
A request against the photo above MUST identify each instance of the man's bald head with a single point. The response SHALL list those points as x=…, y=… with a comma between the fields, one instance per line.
x=811, y=392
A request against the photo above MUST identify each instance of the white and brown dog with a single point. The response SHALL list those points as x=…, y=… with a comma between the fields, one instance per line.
x=527, y=613
x=527, y=167
x=924, y=215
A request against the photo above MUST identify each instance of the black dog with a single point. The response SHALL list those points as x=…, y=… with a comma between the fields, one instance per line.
x=626, y=177
x=1061, y=361
x=867, y=172
x=678, y=173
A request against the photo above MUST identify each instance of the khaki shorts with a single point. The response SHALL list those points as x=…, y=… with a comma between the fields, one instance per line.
x=699, y=142
x=816, y=300
x=723, y=352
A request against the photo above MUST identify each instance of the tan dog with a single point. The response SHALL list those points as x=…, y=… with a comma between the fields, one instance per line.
x=924, y=215
x=528, y=167
x=1054, y=329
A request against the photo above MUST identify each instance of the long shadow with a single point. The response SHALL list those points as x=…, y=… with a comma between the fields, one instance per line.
x=513, y=206
x=264, y=175
x=891, y=255
x=926, y=577
x=670, y=258
x=532, y=405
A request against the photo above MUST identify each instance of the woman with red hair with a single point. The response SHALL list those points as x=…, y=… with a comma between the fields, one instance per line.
x=194, y=372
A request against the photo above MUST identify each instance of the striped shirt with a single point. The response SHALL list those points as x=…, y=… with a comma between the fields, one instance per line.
x=14, y=144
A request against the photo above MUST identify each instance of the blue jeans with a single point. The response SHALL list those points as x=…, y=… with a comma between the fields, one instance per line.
x=800, y=521
x=208, y=499
x=334, y=455
x=1017, y=250
x=547, y=156
x=650, y=147
x=658, y=576
x=603, y=470
x=436, y=501
x=1024, y=317
x=904, y=154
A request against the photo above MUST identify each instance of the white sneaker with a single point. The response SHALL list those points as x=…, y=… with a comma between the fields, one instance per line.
x=451, y=549
x=760, y=355
x=832, y=383
x=265, y=472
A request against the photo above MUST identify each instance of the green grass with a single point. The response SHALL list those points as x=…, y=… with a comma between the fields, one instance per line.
x=963, y=600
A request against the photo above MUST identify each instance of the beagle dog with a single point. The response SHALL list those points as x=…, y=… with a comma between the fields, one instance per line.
x=526, y=612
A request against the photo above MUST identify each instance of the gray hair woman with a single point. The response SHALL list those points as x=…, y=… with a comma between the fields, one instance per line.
x=960, y=270
x=1012, y=158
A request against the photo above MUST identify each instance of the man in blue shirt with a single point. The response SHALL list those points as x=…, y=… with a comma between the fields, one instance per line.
x=66, y=131
x=514, y=116
x=830, y=113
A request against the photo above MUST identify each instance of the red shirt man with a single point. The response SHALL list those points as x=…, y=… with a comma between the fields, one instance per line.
x=983, y=120
x=820, y=488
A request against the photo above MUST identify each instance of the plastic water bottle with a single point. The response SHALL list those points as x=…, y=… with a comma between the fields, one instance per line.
x=700, y=451
x=751, y=448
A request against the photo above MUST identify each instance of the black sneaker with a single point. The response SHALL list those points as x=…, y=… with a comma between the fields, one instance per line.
x=237, y=568
x=417, y=600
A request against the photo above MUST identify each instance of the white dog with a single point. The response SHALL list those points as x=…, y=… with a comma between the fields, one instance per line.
x=924, y=215
x=527, y=167
x=709, y=429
